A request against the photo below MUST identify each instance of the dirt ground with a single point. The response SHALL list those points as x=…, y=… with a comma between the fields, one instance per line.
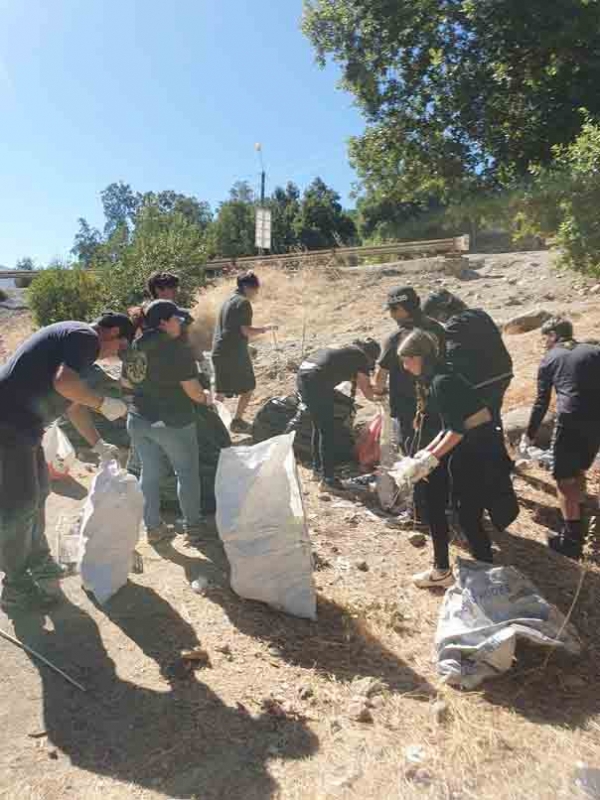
x=269, y=717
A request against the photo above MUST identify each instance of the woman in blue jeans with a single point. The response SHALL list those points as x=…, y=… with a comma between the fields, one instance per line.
x=162, y=372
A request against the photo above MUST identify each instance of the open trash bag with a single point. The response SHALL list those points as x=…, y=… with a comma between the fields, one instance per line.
x=481, y=618
x=112, y=516
x=58, y=452
x=260, y=518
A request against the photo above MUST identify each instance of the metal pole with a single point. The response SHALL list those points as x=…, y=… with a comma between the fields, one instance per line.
x=44, y=660
x=262, y=200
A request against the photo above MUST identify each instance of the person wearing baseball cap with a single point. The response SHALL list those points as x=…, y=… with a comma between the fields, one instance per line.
x=162, y=374
x=39, y=383
x=404, y=307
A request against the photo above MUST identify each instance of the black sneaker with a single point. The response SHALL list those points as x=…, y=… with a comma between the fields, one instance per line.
x=566, y=547
x=197, y=533
x=26, y=598
x=240, y=426
x=333, y=485
x=48, y=570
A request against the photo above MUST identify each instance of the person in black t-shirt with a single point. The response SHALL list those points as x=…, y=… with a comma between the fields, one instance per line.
x=317, y=378
x=404, y=306
x=469, y=446
x=572, y=369
x=37, y=384
x=161, y=371
x=234, y=374
x=474, y=347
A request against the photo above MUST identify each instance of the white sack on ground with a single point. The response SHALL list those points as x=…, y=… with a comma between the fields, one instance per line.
x=58, y=451
x=260, y=518
x=112, y=516
x=483, y=615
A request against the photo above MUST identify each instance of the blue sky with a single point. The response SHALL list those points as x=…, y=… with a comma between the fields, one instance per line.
x=162, y=96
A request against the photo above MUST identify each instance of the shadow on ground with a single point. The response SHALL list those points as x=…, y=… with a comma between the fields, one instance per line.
x=337, y=644
x=182, y=741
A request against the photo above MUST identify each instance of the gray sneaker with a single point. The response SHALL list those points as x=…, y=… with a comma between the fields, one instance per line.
x=160, y=534
x=25, y=598
x=197, y=533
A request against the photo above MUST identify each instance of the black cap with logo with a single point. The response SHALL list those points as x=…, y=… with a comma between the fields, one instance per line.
x=162, y=310
x=404, y=296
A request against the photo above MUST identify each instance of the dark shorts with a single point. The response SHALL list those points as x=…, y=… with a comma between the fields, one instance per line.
x=234, y=373
x=575, y=445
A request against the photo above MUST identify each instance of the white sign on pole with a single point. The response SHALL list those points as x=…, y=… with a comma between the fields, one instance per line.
x=263, y=228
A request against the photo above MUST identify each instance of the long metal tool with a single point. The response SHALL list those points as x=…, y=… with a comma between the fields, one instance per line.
x=44, y=660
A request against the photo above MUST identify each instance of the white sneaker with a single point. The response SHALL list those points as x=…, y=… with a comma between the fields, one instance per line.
x=433, y=577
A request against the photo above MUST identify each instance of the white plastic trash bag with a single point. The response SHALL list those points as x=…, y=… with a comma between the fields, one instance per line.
x=109, y=530
x=481, y=618
x=58, y=452
x=223, y=413
x=260, y=518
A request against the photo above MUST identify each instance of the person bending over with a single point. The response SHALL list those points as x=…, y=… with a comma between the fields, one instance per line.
x=317, y=378
x=37, y=385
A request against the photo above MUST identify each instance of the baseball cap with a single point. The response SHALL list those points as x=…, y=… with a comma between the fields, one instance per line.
x=404, y=296
x=162, y=310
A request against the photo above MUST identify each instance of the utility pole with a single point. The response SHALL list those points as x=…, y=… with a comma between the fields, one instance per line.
x=262, y=213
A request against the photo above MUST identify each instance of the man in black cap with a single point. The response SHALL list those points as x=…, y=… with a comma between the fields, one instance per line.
x=39, y=383
x=474, y=347
x=572, y=369
x=404, y=306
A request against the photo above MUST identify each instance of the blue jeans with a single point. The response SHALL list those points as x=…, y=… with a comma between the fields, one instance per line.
x=180, y=445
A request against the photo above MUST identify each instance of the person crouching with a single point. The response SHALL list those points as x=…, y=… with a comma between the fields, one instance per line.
x=469, y=448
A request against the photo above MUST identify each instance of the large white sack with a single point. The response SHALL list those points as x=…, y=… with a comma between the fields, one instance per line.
x=58, y=451
x=481, y=618
x=260, y=518
x=109, y=530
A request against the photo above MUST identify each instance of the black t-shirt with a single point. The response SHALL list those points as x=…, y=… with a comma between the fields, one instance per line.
x=155, y=366
x=236, y=312
x=453, y=399
x=475, y=348
x=336, y=365
x=26, y=389
x=573, y=370
x=402, y=383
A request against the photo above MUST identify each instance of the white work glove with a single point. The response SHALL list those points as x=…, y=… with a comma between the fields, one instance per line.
x=409, y=471
x=106, y=451
x=524, y=445
x=112, y=408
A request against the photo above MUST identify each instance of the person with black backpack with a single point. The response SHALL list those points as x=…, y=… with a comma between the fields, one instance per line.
x=474, y=348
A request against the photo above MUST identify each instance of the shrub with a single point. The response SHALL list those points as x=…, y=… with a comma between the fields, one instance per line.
x=60, y=294
x=3, y=296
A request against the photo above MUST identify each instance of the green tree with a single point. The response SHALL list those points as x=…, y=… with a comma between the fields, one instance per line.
x=160, y=242
x=120, y=204
x=285, y=207
x=26, y=264
x=232, y=233
x=457, y=94
x=58, y=294
x=321, y=221
x=87, y=244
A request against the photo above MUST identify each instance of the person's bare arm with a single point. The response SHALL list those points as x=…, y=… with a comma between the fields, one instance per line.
x=193, y=389
x=68, y=384
x=448, y=440
x=251, y=332
x=83, y=423
x=381, y=380
x=364, y=384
